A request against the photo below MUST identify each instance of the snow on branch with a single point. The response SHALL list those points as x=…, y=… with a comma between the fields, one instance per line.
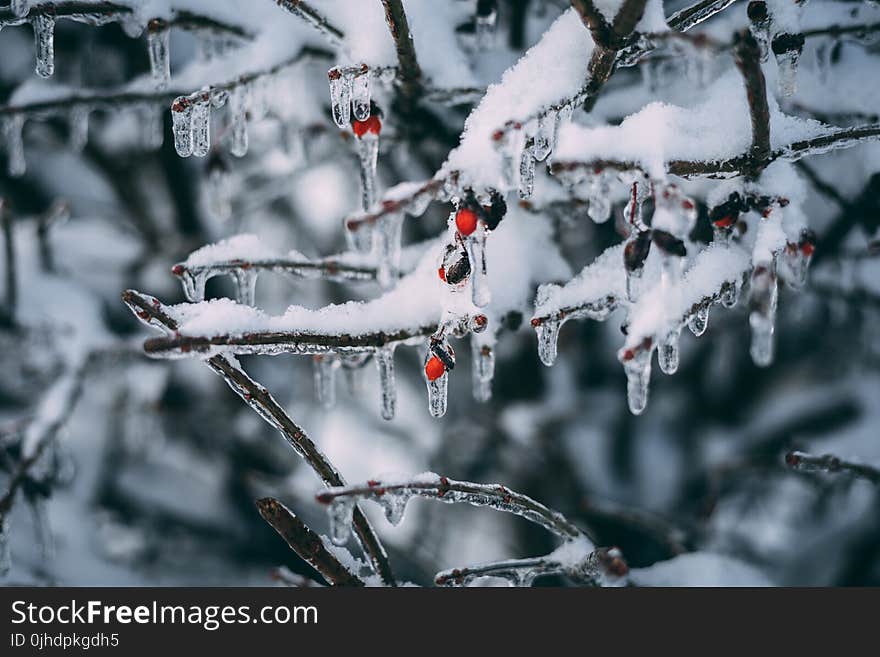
x=306, y=543
x=831, y=463
x=151, y=312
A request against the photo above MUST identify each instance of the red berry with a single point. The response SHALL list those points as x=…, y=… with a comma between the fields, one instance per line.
x=434, y=368
x=442, y=274
x=808, y=248
x=372, y=125
x=725, y=222
x=466, y=221
x=177, y=270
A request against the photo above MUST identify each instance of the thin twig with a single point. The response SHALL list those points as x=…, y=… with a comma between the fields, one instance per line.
x=831, y=463
x=747, y=55
x=410, y=74
x=151, y=312
x=306, y=543
x=313, y=17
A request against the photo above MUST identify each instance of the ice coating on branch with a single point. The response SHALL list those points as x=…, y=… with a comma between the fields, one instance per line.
x=13, y=125
x=160, y=57
x=20, y=7
x=44, y=42
x=716, y=127
x=559, y=61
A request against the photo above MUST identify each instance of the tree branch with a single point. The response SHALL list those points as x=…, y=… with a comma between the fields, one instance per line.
x=830, y=463
x=152, y=313
x=408, y=66
x=306, y=543
x=313, y=17
x=747, y=55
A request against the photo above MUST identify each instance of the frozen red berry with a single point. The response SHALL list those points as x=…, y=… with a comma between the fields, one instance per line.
x=434, y=368
x=442, y=274
x=372, y=125
x=725, y=222
x=466, y=221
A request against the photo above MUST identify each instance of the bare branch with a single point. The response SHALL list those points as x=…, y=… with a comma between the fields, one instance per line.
x=306, y=543
x=451, y=491
x=595, y=22
x=408, y=65
x=10, y=276
x=151, y=312
x=692, y=16
x=830, y=463
x=96, y=13
x=313, y=17
x=747, y=55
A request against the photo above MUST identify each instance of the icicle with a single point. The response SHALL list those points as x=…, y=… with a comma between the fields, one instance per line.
x=258, y=96
x=787, y=64
x=361, y=238
x=182, y=126
x=245, y=285
x=341, y=512
x=194, y=285
x=79, y=127
x=548, y=336
x=238, y=131
x=638, y=376
x=667, y=354
x=13, y=125
x=325, y=379
x=437, y=395
x=599, y=198
x=360, y=96
x=44, y=41
x=160, y=60
x=219, y=194
x=394, y=504
x=152, y=127
x=385, y=363
x=764, y=294
x=387, y=244
x=368, y=154
x=505, y=143
x=20, y=8
x=633, y=278
x=483, y=369
x=476, y=246
x=340, y=97
x=699, y=320
x=545, y=137
x=526, y=172
x=201, y=128
x=824, y=51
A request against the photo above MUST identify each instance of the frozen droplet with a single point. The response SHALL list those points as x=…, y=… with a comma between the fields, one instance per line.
x=638, y=377
x=78, y=121
x=729, y=295
x=360, y=96
x=437, y=395
x=481, y=295
x=182, y=126
x=44, y=42
x=20, y=8
x=787, y=65
x=394, y=504
x=387, y=238
x=387, y=386
x=325, y=379
x=667, y=354
x=238, y=133
x=13, y=125
x=245, y=285
x=698, y=322
x=340, y=97
x=194, y=285
x=526, y=173
x=201, y=128
x=545, y=136
x=483, y=369
x=160, y=60
x=341, y=512
x=368, y=154
x=548, y=336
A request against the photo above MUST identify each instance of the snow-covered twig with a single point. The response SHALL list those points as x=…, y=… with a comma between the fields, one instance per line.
x=306, y=543
x=831, y=463
x=152, y=313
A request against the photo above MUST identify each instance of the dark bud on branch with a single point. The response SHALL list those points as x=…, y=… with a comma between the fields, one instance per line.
x=636, y=251
x=444, y=353
x=669, y=243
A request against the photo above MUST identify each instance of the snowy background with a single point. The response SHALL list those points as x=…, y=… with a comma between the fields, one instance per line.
x=121, y=469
